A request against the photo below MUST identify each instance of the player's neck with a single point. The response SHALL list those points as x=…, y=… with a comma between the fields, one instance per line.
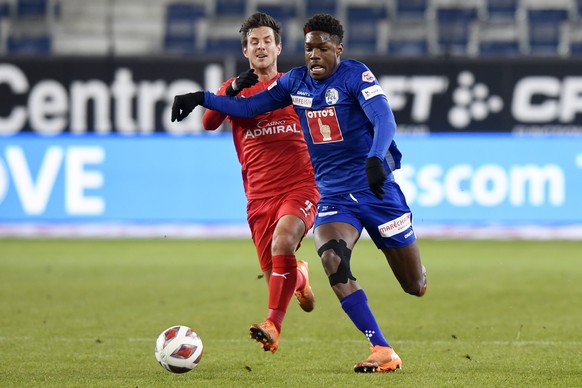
x=266, y=74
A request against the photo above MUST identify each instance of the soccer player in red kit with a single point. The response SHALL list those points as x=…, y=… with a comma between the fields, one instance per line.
x=277, y=175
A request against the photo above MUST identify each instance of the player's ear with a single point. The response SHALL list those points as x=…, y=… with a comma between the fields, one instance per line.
x=279, y=48
x=340, y=49
x=244, y=51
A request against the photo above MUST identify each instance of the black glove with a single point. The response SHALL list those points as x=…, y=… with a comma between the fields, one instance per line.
x=244, y=80
x=185, y=103
x=376, y=175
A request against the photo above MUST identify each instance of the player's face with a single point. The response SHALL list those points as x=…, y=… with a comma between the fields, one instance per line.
x=261, y=49
x=322, y=54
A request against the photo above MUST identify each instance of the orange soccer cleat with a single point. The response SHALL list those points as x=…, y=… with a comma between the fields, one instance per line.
x=382, y=359
x=305, y=296
x=266, y=334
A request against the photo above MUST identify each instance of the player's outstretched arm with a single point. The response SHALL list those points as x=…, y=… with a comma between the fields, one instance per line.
x=262, y=102
x=185, y=103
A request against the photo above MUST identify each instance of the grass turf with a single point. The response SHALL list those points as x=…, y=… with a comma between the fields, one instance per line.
x=87, y=312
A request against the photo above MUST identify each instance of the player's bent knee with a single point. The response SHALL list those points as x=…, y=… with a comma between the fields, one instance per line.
x=343, y=272
x=416, y=288
x=283, y=245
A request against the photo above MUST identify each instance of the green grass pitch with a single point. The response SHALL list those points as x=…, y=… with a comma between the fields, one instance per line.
x=86, y=313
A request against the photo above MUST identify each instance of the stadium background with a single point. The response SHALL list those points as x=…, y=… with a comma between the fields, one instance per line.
x=487, y=95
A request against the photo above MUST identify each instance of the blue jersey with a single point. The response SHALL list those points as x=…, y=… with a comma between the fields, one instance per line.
x=345, y=119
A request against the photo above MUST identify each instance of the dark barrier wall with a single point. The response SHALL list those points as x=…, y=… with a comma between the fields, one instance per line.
x=133, y=96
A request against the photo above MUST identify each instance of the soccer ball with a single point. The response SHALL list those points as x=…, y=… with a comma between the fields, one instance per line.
x=178, y=349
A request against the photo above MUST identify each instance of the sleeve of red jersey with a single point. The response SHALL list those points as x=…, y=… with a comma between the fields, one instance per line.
x=212, y=119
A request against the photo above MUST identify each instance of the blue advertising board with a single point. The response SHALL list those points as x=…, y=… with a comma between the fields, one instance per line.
x=479, y=179
x=493, y=179
x=149, y=179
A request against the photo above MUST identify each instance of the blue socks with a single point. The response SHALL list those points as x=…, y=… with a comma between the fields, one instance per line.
x=356, y=307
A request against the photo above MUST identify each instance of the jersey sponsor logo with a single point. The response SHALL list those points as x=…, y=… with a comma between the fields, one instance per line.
x=323, y=126
x=331, y=96
x=302, y=101
x=372, y=91
x=393, y=227
x=368, y=76
x=266, y=128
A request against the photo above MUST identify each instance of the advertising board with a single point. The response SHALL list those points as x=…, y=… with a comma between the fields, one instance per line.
x=133, y=96
x=448, y=179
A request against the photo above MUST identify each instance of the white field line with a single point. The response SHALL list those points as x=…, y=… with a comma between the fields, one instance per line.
x=311, y=340
x=172, y=231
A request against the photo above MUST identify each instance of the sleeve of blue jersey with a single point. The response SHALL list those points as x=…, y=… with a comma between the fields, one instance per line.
x=376, y=108
x=379, y=113
x=265, y=101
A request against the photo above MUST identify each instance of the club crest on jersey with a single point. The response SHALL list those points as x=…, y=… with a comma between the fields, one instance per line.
x=367, y=76
x=331, y=96
x=323, y=126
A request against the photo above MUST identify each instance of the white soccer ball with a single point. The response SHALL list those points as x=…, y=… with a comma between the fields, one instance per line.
x=178, y=349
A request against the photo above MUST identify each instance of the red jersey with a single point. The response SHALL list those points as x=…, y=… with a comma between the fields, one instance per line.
x=270, y=147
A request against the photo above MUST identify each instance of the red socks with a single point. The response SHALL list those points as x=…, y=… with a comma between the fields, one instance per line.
x=282, y=285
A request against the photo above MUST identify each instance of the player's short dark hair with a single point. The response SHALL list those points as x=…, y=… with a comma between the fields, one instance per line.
x=256, y=20
x=324, y=23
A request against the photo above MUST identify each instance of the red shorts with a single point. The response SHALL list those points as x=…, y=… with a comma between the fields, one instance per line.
x=264, y=213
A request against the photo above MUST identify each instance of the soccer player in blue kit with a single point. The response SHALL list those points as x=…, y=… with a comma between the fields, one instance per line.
x=349, y=128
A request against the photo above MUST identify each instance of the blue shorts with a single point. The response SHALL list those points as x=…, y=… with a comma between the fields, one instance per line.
x=388, y=221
